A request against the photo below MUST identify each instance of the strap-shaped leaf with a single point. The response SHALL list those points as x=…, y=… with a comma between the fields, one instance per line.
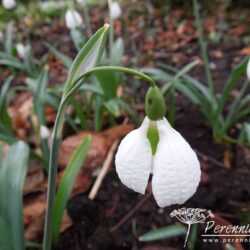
x=66, y=185
x=12, y=176
x=88, y=57
x=5, y=239
x=233, y=80
x=164, y=233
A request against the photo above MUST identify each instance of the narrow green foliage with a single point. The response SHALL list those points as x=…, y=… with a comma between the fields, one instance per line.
x=12, y=176
x=164, y=233
x=66, y=185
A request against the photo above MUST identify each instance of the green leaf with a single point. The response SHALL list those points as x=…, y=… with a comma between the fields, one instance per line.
x=234, y=78
x=78, y=38
x=98, y=114
x=96, y=89
x=66, y=185
x=88, y=57
x=132, y=113
x=193, y=237
x=5, y=238
x=40, y=94
x=12, y=63
x=79, y=113
x=9, y=38
x=107, y=82
x=30, y=244
x=67, y=61
x=113, y=107
x=117, y=51
x=164, y=233
x=4, y=116
x=12, y=176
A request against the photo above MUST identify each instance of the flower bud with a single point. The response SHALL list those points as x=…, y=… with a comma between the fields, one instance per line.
x=73, y=19
x=9, y=4
x=44, y=132
x=115, y=10
x=23, y=50
x=155, y=106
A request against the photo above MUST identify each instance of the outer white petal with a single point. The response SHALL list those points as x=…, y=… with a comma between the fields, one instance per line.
x=73, y=19
x=248, y=69
x=176, y=168
x=133, y=159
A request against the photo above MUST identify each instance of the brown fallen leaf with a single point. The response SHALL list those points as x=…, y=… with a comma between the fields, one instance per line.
x=19, y=111
x=34, y=214
x=100, y=145
x=35, y=179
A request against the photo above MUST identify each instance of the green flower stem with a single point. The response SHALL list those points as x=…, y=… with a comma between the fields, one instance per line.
x=87, y=19
x=56, y=137
x=52, y=176
x=111, y=30
x=203, y=47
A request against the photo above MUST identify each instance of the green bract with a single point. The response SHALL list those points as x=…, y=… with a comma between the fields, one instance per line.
x=155, y=106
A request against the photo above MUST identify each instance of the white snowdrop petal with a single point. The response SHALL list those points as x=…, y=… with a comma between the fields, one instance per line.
x=73, y=19
x=248, y=69
x=22, y=50
x=133, y=159
x=115, y=10
x=44, y=132
x=176, y=168
x=9, y=4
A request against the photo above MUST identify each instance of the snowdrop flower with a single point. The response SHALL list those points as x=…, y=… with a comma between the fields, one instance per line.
x=82, y=1
x=73, y=19
x=23, y=50
x=9, y=4
x=248, y=69
x=159, y=149
x=44, y=132
x=115, y=10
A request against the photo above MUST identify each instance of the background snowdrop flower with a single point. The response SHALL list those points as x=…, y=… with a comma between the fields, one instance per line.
x=23, y=50
x=248, y=69
x=115, y=10
x=9, y=4
x=73, y=19
x=44, y=132
x=173, y=163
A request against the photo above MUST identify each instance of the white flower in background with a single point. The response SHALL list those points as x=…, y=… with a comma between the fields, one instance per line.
x=73, y=19
x=23, y=50
x=44, y=132
x=115, y=10
x=175, y=167
x=248, y=69
x=82, y=1
x=9, y=4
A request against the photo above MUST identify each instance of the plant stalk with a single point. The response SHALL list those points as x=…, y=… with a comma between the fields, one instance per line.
x=52, y=176
x=203, y=47
x=111, y=31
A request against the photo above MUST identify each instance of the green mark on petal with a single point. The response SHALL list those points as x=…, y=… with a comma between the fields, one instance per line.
x=153, y=136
